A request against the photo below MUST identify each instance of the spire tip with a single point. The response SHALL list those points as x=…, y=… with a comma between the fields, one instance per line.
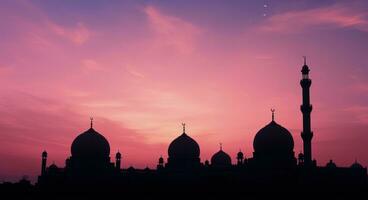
x=91, y=118
x=273, y=114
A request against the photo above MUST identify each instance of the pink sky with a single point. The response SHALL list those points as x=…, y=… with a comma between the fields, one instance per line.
x=141, y=69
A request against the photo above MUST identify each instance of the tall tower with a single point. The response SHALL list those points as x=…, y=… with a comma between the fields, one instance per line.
x=43, y=165
x=306, y=109
x=118, y=160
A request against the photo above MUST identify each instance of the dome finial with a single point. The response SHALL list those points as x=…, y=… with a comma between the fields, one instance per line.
x=91, y=118
x=220, y=146
x=183, y=124
x=273, y=114
x=305, y=60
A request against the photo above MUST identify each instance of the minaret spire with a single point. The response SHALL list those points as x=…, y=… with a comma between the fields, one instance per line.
x=306, y=109
x=305, y=60
x=183, y=124
x=91, y=118
x=44, y=161
x=273, y=114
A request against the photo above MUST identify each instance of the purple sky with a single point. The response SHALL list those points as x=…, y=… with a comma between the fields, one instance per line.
x=141, y=68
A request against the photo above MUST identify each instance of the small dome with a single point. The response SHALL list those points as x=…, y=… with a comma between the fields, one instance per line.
x=131, y=169
x=273, y=138
x=356, y=165
x=90, y=144
x=184, y=147
x=240, y=155
x=161, y=160
x=331, y=164
x=53, y=166
x=221, y=159
x=118, y=155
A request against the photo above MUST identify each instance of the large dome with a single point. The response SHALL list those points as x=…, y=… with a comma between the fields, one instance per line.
x=273, y=138
x=221, y=158
x=90, y=144
x=184, y=147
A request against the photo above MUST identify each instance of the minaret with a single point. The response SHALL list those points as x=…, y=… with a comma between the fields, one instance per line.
x=306, y=109
x=161, y=163
x=240, y=157
x=43, y=165
x=118, y=160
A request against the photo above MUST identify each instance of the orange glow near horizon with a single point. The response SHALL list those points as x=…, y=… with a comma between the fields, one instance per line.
x=140, y=70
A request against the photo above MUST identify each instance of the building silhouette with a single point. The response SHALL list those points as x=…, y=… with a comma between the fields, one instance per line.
x=306, y=109
x=273, y=163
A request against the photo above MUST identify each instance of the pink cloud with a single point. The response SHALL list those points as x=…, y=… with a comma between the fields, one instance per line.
x=27, y=130
x=172, y=31
x=139, y=89
x=335, y=16
x=359, y=113
x=130, y=69
x=35, y=27
x=361, y=87
x=90, y=65
x=78, y=35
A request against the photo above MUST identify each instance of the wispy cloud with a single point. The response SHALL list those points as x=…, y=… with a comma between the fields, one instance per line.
x=361, y=87
x=78, y=34
x=172, y=31
x=335, y=16
x=90, y=65
x=36, y=123
x=134, y=72
x=360, y=113
x=35, y=26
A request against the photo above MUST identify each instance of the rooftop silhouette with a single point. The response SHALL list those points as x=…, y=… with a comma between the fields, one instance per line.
x=272, y=166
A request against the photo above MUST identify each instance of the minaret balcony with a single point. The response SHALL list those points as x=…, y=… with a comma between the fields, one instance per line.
x=306, y=82
x=307, y=135
x=306, y=108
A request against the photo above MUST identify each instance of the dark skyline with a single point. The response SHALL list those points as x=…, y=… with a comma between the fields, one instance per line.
x=273, y=167
x=140, y=68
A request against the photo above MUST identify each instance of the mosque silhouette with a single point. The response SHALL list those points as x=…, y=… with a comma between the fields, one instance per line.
x=273, y=166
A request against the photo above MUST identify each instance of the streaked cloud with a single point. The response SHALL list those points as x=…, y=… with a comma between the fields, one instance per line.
x=91, y=65
x=131, y=70
x=79, y=34
x=359, y=113
x=335, y=16
x=172, y=31
x=143, y=72
x=361, y=87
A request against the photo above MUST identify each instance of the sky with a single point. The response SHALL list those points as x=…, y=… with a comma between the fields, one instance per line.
x=141, y=68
